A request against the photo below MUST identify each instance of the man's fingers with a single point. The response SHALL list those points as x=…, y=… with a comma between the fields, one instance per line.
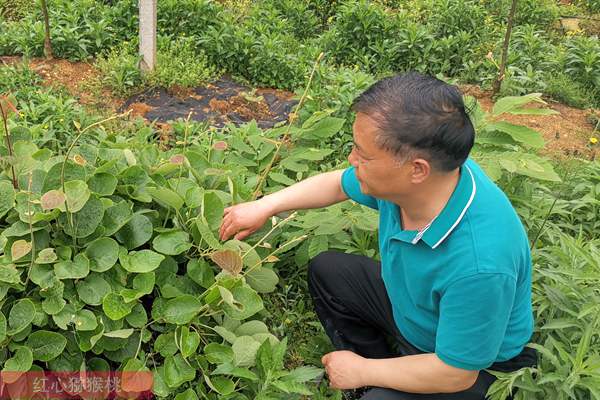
x=325, y=359
x=243, y=234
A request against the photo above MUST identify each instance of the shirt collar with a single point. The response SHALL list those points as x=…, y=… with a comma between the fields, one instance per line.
x=454, y=210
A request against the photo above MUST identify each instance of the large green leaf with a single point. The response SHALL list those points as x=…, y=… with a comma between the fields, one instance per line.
x=244, y=351
x=86, y=220
x=250, y=302
x=46, y=345
x=7, y=197
x=76, y=194
x=103, y=254
x=171, y=243
x=181, y=310
x=103, y=184
x=92, y=289
x=76, y=269
x=521, y=134
x=212, y=209
x=115, y=307
x=20, y=316
x=141, y=261
x=166, y=197
x=136, y=232
x=513, y=103
x=263, y=280
x=178, y=371
x=20, y=362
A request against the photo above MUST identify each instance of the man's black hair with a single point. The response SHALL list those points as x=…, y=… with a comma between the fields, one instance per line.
x=419, y=114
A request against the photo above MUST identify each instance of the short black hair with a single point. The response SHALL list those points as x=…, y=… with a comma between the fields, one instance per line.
x=422, y=114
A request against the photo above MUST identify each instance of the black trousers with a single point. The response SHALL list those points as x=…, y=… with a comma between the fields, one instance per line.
x=352, y=303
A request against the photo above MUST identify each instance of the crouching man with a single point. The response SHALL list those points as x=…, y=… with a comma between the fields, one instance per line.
x=453, y=288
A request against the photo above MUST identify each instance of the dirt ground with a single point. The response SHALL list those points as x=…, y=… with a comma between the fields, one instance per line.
x=225, y=101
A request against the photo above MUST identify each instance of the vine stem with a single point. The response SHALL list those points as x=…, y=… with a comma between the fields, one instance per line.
x=9, y=145
x=292, y=119
x=30, y=229
x=281, y=223
x=62, y=171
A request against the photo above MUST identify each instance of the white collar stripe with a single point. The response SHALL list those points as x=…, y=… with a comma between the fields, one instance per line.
x=462, y=213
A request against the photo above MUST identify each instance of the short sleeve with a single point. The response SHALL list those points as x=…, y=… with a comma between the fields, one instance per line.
x=351, y=187
x=474, y=315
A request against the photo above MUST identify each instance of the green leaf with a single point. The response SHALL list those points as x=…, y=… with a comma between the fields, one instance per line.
x=181, y=310
x=166, y=197
x=250, y=328
x=76, y=269
x=218, y=353
x=207, y=234
x=20, y=362
x=521, y=134
x=86, y=220
x=189, y=394
x=220, y=384
x=119, y=333
x=116, y=217
x=137, y=317
x=136, y=232
x=2, y=327
x=10, y=274
x=76, y=194
x=171, y=243
x=20, y=316
x=322, y=129
x=513, y=103
x=92, y=289
x=7, y=197
x=178, y=371
x=238, y=372
x=46, y=256
x=85, y=320
x=244, y=351
x=103, y=254
x=189, y=341
x=103, y=184
x=304, y=374
x=46, y=345
x=200, y=272
x=212, y=210
x=263, y=280
x=250, y=301
x=115, y=307
x=142, y=261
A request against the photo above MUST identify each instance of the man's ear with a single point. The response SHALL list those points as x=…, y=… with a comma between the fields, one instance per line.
x=421, y=169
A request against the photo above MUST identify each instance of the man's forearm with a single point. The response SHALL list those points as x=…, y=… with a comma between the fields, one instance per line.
x=315, y=192
x=421, y=373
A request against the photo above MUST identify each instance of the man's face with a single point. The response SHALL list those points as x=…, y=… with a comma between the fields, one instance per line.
x=380, y=174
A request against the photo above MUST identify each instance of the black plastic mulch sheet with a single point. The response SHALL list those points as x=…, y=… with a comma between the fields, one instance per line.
x=218, y=103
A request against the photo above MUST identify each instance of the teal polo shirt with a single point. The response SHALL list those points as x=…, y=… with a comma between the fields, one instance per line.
x=462, y=289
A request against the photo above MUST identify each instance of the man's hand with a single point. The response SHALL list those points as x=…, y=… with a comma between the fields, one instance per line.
x=344, y=369
x=243, y=219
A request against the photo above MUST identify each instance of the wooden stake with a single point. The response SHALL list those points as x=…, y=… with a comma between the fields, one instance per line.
x=147, y=34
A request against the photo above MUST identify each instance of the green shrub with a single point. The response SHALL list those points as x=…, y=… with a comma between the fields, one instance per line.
x=179, y=63
x=17, y=9
x=119, y=70
x=561, y=87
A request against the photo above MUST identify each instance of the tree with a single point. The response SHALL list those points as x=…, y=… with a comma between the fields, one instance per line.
x=47, y=45
x=509, y=25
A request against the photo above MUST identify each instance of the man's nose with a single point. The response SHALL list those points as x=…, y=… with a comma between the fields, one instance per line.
x=352, y=159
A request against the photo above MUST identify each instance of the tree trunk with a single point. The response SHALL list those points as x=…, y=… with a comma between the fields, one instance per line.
x=509, y=25
x=47, y=45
